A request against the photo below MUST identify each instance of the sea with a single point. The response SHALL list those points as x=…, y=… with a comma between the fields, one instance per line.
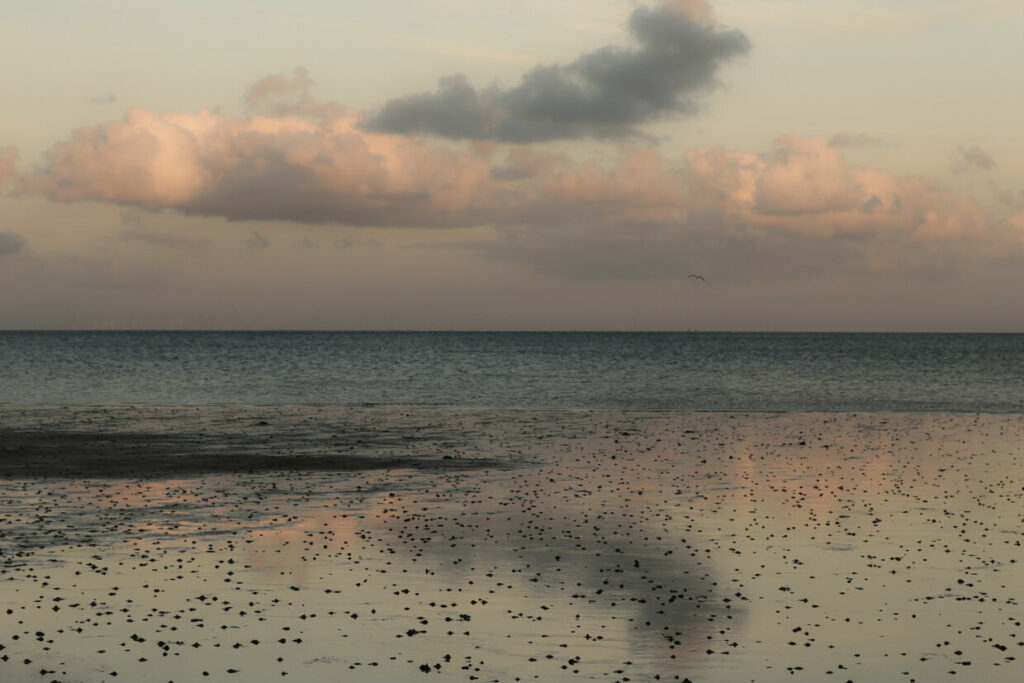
x=693, y=371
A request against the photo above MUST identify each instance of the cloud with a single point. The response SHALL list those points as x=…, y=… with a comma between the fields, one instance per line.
x=1008, y=198
x=291, y=168
x=1016, y=224
x=606, y=93
x=849, y=139
x=799, y=207
x=256, y=241
x=805, y=187
x=262, y=167
x=171, y=240
x=795, y=211
x=279, y=95
x=972, y=158
x=11, y=243
x=109, y=98
x=8, y=172
x=135, y=231
x=803, y=176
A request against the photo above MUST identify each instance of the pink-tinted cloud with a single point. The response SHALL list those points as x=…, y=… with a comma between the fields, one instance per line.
x=1015, y=223
x=805, y=176
x=805, y=186
x=281, y=95
x=695, y=10
x=714, y=206
x=795, y=211
x=263, y=167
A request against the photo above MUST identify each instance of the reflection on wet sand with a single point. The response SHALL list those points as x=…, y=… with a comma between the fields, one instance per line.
x=593, y=545
x=570, y=536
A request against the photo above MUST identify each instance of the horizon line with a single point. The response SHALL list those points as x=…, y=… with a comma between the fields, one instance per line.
x=483, y=331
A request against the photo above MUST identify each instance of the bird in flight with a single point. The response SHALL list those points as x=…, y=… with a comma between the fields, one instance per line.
x=696, y=277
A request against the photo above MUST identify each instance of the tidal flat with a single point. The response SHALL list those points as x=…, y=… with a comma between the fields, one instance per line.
x=399, y=544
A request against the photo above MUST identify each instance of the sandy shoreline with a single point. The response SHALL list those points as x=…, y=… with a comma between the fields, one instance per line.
x=325, y=544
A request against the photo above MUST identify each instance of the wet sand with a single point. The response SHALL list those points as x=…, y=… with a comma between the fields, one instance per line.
x=326, y=544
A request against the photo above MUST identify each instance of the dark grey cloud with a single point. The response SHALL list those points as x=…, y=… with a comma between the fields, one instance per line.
x=11, y=243
x=606, y=93
x=972, y=158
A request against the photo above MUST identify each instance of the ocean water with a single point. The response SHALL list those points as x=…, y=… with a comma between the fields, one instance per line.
x=642, y=371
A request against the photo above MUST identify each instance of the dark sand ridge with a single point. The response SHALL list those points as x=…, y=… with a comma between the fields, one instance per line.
x=146, y=442
x=618, y=546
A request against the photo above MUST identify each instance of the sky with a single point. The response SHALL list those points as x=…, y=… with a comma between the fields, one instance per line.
x=512, y=164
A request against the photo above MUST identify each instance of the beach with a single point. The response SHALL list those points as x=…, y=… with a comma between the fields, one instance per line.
x=185, y=543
